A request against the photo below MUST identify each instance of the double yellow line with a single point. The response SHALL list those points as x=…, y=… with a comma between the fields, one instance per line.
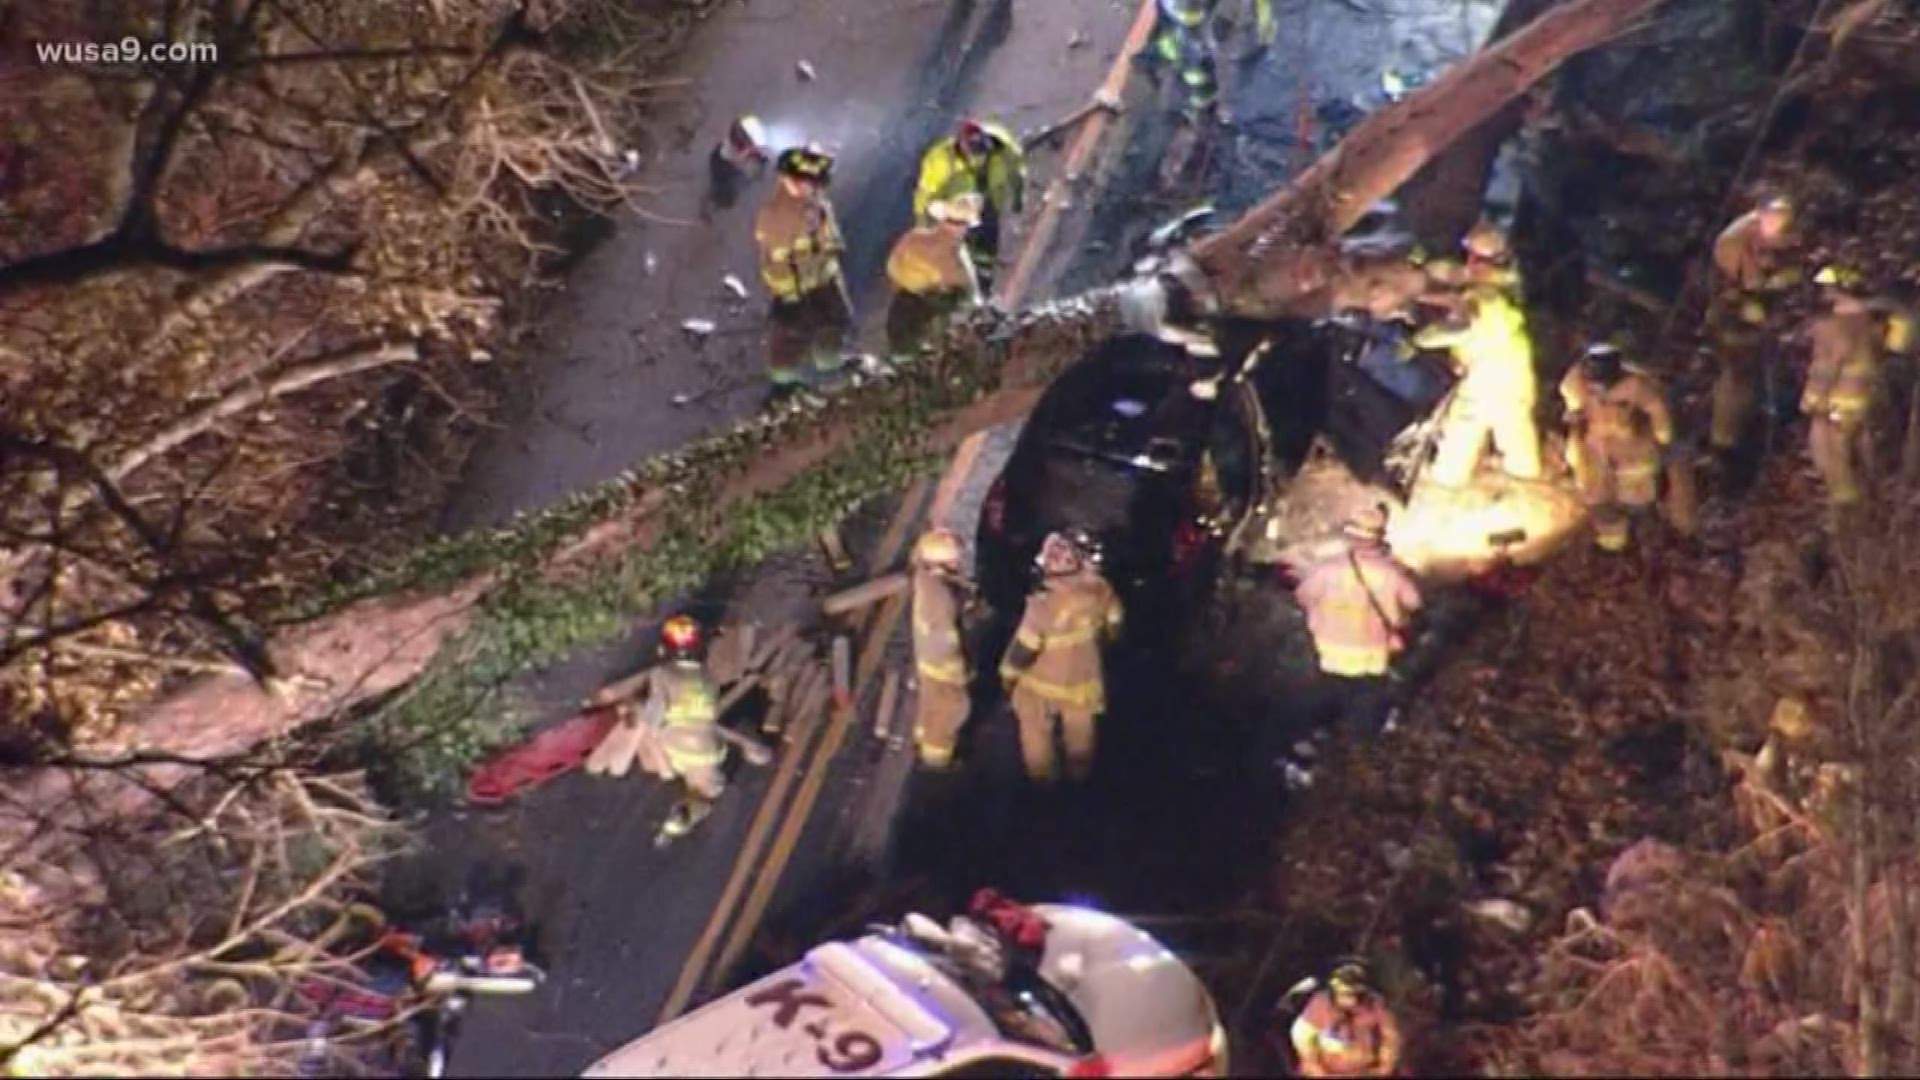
x=701, y=971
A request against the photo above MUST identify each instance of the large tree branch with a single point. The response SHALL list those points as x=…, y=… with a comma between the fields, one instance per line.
x=1275, y=259
x=243, y=645
x=298, y=377
x=1254, y=267
x=124, y=251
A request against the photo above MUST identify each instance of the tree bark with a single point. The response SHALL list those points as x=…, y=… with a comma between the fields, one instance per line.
x=1443, y=199
x=1275, y=259
x=1257, y=266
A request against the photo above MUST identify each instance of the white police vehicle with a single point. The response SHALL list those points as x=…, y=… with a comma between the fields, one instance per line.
x=1101, y=997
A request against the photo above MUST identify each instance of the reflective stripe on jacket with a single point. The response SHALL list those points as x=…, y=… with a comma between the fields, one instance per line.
x=1064, y=622
x=937, y=653
x=1845, y=367
x=1329, y=1041
x=1493, y=351
x=1626, y=423
x=799, y=243
x=1345, y=598
x=930, y=260
x=1001, y=179
x=689, y=716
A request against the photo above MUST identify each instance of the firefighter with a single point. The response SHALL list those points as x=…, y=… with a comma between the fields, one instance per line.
x=983, y=158
x=1497, y=388
x=938, y=655
x=932, y=273
x=1619, y=426
x=1842, y=382
x=800, y=248
x=1052, y=670
x=1746, y=256
x=737, y=159
x=1359, y=603
x=1487, y=261
x=688, y=745
x=1183, y=43
x=1346, y=1029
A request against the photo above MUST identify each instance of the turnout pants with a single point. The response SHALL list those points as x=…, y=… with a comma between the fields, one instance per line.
x=810, y=330
x=1039, y=716
x=941, y=711
x=1838, y=448
x=913, y=319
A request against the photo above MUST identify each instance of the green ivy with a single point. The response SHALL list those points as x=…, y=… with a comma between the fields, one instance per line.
x=459, y=710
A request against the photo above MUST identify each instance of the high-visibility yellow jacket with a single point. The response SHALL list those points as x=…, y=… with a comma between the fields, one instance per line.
x=1846, y=366
x=932, y=260
x=689, y=716
x=1331, y=1041
x=937, y=651
x=1493, y=351
x=1357, y=604
x=1056, y=652
x=799, y=242
x=1001, y=179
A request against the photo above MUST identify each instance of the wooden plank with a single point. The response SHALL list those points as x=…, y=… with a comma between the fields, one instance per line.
x=771, y=647
x=839, y=720
x=843, y=672
x=895, y=539
x=864, y=594
x=889, y=699
x=876, y=644
x=958, y=469
x=835, y=550
x=743, y=865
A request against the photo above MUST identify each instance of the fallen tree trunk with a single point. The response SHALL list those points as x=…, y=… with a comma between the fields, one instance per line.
x=1262, y=266
x=1276, y=260
x=1444, y=198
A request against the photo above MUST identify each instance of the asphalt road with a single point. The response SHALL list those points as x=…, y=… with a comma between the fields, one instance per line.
x=616, y=919
x=1177, y=818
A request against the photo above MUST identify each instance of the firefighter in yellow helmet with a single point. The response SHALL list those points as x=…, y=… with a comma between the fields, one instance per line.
x=1494, y=356
x=1346, y=1029
x=1843, y=381
x=1619, y=427
x=800, y=247
x=688, y=745
x=983, y=158
x=1746, y=258
x=939, y=655
x=1053, y=671
x=932, y=274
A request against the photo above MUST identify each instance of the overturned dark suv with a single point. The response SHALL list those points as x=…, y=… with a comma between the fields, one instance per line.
x=1165, y=453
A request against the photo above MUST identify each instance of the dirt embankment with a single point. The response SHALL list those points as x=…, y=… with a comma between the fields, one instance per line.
x=1487, y=854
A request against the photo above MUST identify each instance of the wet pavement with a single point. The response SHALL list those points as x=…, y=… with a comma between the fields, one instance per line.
x=615, y=918
x=1177, y=818
x=891, y=76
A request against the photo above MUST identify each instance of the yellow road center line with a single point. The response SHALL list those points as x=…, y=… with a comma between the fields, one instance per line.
x=884, y=621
